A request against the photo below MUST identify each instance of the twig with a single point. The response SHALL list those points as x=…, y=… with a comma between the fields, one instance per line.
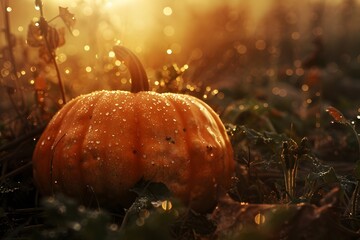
x=16, y=171
x=22, y=138
x=52, y=55
x=51, y=52
x=13, y=64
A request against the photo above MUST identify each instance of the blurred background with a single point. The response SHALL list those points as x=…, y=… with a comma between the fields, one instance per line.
x=295, y=56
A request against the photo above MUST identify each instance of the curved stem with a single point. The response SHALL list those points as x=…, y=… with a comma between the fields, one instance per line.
x=51, y=52
x=139, y=80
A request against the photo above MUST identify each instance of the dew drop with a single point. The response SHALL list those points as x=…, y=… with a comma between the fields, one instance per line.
x=113, y=227
x=124, y=120
x=76, y=226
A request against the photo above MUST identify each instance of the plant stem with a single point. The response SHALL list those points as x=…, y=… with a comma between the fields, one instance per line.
x=61, y=86
x=52, y=56
x=357, y=187
x=355, y=199
x=139, y=80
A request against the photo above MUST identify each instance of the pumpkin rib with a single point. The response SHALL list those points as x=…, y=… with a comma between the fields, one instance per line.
x=198, y=139
x=83, y=158
x=203, y=141
x=187, y=137
x=222, y=131
x=63, y=160
x=100, y=166
x=49, y=154
x=227, y=155
x=138, y=133
x=81, y=139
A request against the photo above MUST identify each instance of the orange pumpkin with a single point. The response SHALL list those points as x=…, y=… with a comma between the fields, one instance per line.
x=104, y=142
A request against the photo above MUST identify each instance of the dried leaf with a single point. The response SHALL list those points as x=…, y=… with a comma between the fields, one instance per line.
x=55, y=37
x=336, y=115
x=34, y=37
x=44, y=54
x=67, y=17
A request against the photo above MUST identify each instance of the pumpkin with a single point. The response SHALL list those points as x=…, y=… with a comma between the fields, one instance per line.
x=101, y=144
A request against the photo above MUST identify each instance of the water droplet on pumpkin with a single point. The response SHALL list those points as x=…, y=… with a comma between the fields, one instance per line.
x=97, y=142
x=42, y=143
x=172, y=161
x=144, y=155
x=107, y=113
x=152, y=163
x=124, y=120
x=98, y=158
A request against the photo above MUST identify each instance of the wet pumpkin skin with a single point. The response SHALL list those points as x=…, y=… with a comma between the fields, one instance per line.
x=101, y=144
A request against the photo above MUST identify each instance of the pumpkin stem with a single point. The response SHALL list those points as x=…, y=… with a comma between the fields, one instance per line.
x=139, y=80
